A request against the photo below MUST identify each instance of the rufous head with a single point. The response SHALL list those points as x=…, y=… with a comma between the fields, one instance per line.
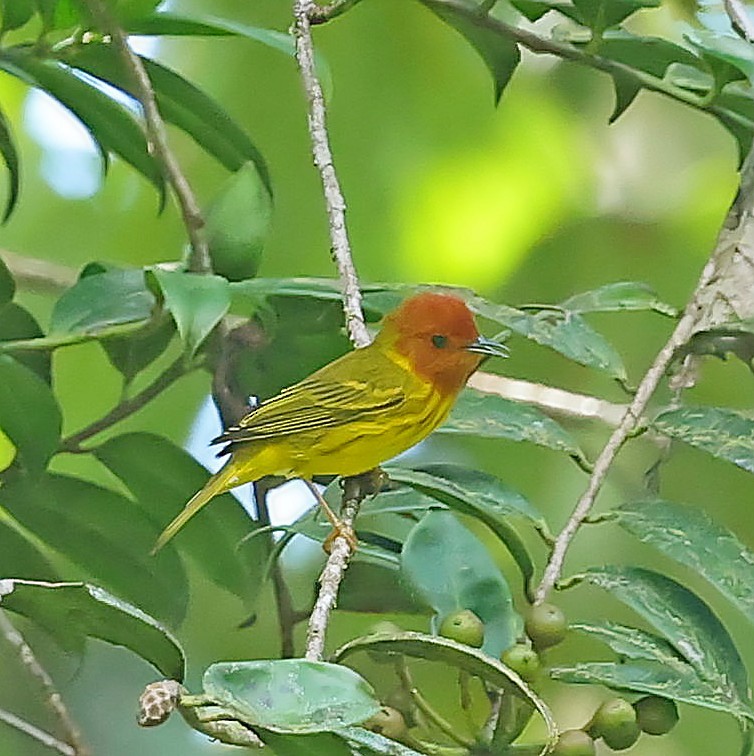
x=438, y=335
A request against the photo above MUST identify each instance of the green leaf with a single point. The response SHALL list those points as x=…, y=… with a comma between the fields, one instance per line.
x=99, y=301
x=238, y=223
x=104, y=534
x=650, y=54
x=312, y=744
x=450, y=569
x=729, y=58
x=18, y=323
x=375, y=589
x=722, y=433
x=14, y=14
x=376, y=745
x=29, y=414
x=599, y=15
x=132, y=353
x=626, y=88
x=21, y=553
x=7, y=284
x=685, y=620
x=633, y=643
x=500, y=54
x=717, y=555
x=490, y=416
x=291, y=695
x=10, y=158
x=565, y=332
x=197, y=302
x=453, y=654
x=88, y=610
x=475, y=493
x=617, y=297
x=111, y=124
x=162, y=477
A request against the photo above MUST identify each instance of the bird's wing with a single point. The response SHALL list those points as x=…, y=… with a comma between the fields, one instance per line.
x=330, y=397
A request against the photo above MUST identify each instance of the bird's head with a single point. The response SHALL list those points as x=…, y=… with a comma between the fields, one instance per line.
x=438, y=336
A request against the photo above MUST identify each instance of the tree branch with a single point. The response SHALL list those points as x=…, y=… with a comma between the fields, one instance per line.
x=35, y=732
x=336, y=205
x=731, y=243
x=199, y=260
x=54, y=700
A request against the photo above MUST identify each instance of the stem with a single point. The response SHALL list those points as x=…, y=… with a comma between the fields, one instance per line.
x=199, y=259
x=303, y=10
x=54, y=700
x=72, y=443
x=34, y=732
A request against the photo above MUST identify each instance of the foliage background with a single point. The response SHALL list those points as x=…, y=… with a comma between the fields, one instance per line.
x=529, y=202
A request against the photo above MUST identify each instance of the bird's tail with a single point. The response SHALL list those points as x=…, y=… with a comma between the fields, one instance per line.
x=217, y=484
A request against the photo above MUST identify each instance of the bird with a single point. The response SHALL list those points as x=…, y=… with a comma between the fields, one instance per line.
x=359, y=410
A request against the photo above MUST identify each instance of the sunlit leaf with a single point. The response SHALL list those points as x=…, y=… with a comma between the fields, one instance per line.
x=690, y=536
x=88, y=610
x=291, y=695
x=450, y=569
x=722, y=433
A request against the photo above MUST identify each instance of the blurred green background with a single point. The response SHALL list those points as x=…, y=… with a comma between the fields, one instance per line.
x=531, y=201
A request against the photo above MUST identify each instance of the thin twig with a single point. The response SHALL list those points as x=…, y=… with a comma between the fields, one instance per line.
x=53, y=698
x=172, y=373
x=738, y=223
x=336, y=205
x=35, y=732
x=199, y=260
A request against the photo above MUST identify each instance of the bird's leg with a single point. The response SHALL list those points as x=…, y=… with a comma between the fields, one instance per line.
x=340, y=528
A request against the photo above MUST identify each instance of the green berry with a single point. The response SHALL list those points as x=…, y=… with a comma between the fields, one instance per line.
x=546, y=625
x=388, y=722
x=656, y=715
x=463, y=626
x=574, y=743
x=615, y=722
x=523, y=660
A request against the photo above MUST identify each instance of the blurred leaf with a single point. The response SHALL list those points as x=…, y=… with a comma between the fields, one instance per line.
x=131, y=354
x=291, y=695
x=450, y=653
x=717, y=555
x=14, y=14
x=451, y=569
x=111, y=124
x=721, y=432
x=650, y=54
x=197, y=302
x=617, y=297
x=686, y=621
x=735, y=338
x=483, y=496
x=10, y=158
x=7, y=284
x=729, y=58
x=104, y=534
x=238, y=223
x=88, y=610
x=98, y=301
x=29, y=414
x=312, y=744
x=599, y=15
x=375, y=588
x=21, y=553
x=500, y=54
x=565, y=332
x=162, y=477
x=490, y=416
x=18, y=323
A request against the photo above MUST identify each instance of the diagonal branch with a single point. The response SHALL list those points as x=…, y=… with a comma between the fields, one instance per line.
x=35, y=732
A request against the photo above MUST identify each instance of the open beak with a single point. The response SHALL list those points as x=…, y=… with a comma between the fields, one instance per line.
x=487, y=347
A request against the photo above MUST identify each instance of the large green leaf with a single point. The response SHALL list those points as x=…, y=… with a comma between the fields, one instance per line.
x=500, y=54
x=729, y=58
x=105, y=535
x=22, y=554
x=16, y=322
x=197, y=302
x=618, y=297
x=99, y=301
x=489, y=416
x=87, y=610
x=685, y=621
x=162, y=477
x=10, y=158
x=690, y=536
x=724, y=433
x=450, y=569
x=291, y=695
x=29, y=414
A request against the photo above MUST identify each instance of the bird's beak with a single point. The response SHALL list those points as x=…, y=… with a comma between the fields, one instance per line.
x=487, y=347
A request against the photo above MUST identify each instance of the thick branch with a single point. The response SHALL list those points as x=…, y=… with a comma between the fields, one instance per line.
x=336, y=205
x=199, y=260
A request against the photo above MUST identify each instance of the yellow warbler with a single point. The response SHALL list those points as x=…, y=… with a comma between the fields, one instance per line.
x=361, y=409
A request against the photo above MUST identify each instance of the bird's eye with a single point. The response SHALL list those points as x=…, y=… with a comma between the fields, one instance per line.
x=440, y=341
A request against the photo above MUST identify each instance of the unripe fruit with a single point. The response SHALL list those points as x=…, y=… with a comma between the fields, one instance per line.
x=463, y=626
x=574, y=743
x=656, y=715
x=615, y=722
x=546, y=625
x=523, y=660
x=388, y=722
